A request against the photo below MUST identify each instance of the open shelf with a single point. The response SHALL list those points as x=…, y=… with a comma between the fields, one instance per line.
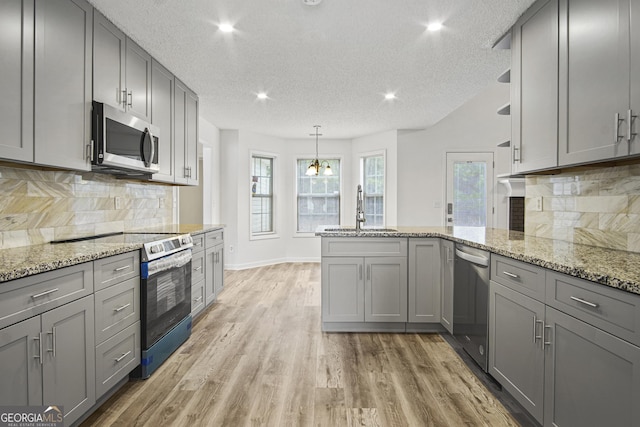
x=505, y=77
x=505, y=110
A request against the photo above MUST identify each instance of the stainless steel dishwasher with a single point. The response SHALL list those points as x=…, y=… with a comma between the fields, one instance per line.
x=471, y=302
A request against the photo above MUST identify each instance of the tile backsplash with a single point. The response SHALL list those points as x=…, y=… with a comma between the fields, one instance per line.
x=38, y=206
x=598, y=207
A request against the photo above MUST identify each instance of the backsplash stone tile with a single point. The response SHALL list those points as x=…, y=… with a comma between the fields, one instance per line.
x=38, y=206
x=595, y=206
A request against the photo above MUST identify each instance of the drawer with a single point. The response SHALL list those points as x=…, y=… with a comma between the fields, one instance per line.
x=612, y=310
x=197, y=298
x=33, y=295
x=198, y=243
x=520, y=276
x=364, y=246
x=214, y=238
x=115, y=269
x=116, y=357
x=117, y=307
x=197, y=267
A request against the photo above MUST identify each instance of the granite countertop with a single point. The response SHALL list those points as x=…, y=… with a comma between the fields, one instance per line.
x=28, y=260
x=614, y=268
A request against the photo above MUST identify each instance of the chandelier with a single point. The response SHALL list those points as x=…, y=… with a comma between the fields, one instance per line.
x=314, y=167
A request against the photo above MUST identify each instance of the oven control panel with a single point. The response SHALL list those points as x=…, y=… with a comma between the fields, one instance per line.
x=160, y=248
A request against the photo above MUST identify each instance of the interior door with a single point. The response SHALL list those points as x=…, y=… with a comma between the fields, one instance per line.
x=469, y=201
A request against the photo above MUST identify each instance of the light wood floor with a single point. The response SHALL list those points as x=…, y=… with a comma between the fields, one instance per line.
x=258, y=357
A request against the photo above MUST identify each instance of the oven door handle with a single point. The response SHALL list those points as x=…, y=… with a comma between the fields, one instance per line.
x=176, y=260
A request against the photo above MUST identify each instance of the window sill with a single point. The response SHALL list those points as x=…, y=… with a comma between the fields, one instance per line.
x=266, y=236
x=304, y=235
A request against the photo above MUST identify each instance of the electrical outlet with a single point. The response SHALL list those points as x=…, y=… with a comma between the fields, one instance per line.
x=118, y=202
x=537, y=204
x=437, y=205
x=230, y=248
x=161, y=203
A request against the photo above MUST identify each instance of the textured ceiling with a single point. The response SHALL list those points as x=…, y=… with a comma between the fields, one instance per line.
x=329, y=64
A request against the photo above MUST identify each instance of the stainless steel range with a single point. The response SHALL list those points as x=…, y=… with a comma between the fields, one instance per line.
x=165, y=298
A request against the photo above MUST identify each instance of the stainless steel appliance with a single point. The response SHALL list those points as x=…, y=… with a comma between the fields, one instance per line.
x=165, y=298
x=471, y=302
x=122, y=143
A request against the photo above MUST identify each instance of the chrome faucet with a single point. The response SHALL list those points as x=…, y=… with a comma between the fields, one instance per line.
x=359, y=210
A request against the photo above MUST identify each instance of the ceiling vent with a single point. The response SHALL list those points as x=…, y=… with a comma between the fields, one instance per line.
x=312, y=2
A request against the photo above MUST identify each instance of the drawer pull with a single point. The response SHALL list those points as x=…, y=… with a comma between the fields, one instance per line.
x=119, y=309
x=122, y=268
x=197, y=268
x=44, y=293
x=198, y=299
x=118, y=359
x=581, y=301
x=198, y=243
x=506, y=273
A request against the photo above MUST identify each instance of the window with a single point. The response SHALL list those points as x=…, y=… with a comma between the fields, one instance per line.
x=318, y=197
x=261, y=195
x=373, y=189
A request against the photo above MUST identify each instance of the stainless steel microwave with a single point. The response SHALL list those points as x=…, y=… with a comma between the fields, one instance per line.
x=122, y=143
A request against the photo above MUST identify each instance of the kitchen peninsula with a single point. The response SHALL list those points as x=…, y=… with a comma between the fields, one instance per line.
x=563, y=319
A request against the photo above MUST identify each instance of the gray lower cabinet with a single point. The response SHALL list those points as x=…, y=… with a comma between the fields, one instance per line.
x=342, y=289
x=591, y=377
x=62, y=78
x=534, y=89
x=49, y=360
x=385, y=289
x=446, y=291
x=213, y=273
x=198, y=276
x=516, y=353
x=424, y=303
x=16, y=84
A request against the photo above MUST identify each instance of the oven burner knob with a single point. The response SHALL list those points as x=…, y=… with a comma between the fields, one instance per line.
x=155, y=249
x=186, y=239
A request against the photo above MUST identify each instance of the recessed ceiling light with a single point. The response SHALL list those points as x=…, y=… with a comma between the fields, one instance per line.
x=434, y=26
x=262, y=95
x=389, y=96
x=226, y=28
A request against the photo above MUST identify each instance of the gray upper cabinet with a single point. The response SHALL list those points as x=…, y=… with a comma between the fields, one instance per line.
x=534, y=89
x=186, y=135
x=122, y=70
x=16, y=84
x=62, y=110
x=594, y=80
x=634, y=141
x=446, y=292
x=591, y=377
x=424, y=281
x=162, y=105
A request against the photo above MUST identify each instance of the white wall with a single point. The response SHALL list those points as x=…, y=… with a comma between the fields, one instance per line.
x=209, y=136
x=474, y=127
x=386, y=142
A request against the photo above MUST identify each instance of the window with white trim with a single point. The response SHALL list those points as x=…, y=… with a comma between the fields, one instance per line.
x=261, y=195
x=318, y=196
x=372, y=168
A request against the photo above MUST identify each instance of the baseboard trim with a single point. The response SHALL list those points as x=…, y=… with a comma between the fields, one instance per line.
x=264, y=263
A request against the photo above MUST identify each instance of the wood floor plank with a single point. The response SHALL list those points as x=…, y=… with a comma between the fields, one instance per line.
x=258, y=357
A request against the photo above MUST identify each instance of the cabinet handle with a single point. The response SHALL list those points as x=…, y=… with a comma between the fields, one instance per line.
x=123, y=99
x=39, y=339
x=360, y=272
x=50, y=291
x=119, y=309
x=118, y=359
x=616, y=132
x=506, y=273
x=197, y=268
x=122, y=268
x=546, y=343
x=198, y=299
x=516, y=154
x=536, y=337
x=368, y=272
x=630, y=119
x=130, y=96
x=581, y=301
x=53, y=341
